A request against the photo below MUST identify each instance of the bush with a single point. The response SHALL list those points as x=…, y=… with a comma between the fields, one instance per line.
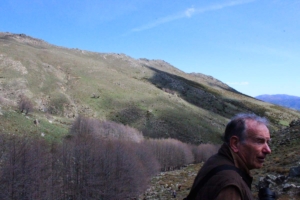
x=25, y=104
x=57, y=104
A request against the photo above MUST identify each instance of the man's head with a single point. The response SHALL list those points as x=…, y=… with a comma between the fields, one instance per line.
x=248, y=136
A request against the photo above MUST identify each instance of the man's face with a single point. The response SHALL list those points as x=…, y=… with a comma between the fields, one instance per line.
x=256, y=145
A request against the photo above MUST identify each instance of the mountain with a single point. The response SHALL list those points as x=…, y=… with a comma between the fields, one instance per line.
x=152, y=96
x=281, y=100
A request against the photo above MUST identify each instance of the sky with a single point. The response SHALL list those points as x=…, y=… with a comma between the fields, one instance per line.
x=251, y=45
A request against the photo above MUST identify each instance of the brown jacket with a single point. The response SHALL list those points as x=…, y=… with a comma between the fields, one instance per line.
x=226, y=184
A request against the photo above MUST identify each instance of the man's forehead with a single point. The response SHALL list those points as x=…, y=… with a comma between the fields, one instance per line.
x=252, y=124
x=253, y=136
x=257, y=129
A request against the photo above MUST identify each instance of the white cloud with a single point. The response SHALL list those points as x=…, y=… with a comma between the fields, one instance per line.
x=238, y=83
x=189, y=13
x=160, y=21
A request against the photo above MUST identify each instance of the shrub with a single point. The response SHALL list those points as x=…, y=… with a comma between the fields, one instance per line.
x=25, y=104
x=57, y=102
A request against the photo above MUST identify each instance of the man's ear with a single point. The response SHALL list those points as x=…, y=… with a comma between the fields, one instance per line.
x=234, y=143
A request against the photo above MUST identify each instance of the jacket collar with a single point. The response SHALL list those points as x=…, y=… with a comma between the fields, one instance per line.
x=226, y=151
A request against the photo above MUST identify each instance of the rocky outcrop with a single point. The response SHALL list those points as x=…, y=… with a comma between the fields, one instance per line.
x=282, y=185
x=290, y=133
x=289, y=184
x=295, y=123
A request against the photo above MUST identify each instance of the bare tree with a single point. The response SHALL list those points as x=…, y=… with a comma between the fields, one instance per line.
x=203, y=151
x=110, y=129
x=83, y=126
x=94, y=168
x=170, y=153
x=84, y=165
x=29, y=168
x=105, y=129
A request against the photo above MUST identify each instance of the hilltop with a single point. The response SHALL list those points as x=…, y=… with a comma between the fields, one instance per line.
x=152, y=96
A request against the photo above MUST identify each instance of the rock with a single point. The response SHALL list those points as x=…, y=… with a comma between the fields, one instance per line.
x=271, y=180
x=36, y=122
x=263, y=183
x=286, y=186
x=295, y=123
x=95, y=96
x=294, y=172
x=280, y=179
x=272, y=177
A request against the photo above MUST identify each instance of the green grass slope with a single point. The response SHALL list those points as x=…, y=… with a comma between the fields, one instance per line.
x=150, y=95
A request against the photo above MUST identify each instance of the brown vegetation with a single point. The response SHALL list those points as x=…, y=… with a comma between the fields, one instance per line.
x=105, y=129
x=82, y=167
x=203, y=151
x=87, y=164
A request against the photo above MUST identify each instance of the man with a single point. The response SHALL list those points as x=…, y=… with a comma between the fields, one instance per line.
x=226, y=175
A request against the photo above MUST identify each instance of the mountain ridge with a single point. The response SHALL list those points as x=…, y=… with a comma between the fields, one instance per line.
x=285, y=100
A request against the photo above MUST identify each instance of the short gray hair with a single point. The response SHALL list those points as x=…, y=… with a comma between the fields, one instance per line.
x=237, y=125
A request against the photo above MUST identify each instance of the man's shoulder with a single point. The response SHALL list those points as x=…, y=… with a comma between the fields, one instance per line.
x=227, y=176
x=215, y=161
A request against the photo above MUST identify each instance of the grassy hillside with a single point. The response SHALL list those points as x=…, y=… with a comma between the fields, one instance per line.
x=150, y=95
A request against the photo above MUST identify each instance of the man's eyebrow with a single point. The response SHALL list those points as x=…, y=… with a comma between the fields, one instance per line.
x=261, y=138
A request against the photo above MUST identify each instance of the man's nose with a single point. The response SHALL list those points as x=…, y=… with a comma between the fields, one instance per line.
x=267, y=149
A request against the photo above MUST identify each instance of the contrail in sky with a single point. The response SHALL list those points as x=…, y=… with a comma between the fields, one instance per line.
x=189, y=13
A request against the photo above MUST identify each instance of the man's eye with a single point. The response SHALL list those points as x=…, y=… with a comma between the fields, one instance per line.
x=263, y=141
x=260, y=141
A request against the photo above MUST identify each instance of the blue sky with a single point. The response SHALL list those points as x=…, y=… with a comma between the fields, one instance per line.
x=252, y=45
